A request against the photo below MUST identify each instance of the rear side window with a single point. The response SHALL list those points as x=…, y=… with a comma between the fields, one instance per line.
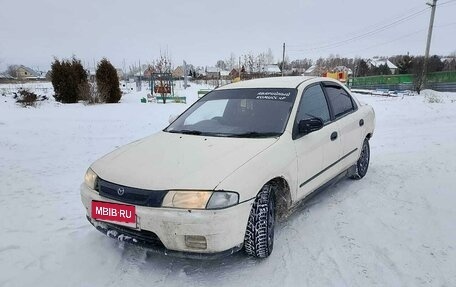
x=340, y=101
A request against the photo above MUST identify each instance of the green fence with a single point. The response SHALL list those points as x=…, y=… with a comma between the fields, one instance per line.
x=438, y=77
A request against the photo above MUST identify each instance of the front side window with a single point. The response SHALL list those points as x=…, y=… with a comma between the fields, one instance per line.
x=238, y=113
x=313, y=105
x=341, y=102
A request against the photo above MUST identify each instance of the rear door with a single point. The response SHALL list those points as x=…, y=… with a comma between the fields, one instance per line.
x=344, y=109
x=315, y=150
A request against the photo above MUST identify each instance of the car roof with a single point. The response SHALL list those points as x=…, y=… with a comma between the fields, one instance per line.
x=275, y=82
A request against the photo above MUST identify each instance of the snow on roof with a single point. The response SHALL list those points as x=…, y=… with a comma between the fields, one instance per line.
x=212, y=70
x=448, y=59
x=224, y=73
x=311, y=69
x=272, y=69
x=30, y=71
x=377, y=62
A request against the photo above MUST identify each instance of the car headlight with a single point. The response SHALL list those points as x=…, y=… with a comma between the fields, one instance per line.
x=191, y=199
x=90, y=178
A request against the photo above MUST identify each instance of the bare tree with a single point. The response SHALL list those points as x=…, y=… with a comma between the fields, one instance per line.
x=261, y=61
x=231, y=62
x=269, y=57
x=163, y=65
x=221, y=65
x=249, y=62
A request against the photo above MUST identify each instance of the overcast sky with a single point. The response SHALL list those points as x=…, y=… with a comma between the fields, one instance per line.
x=201, y=32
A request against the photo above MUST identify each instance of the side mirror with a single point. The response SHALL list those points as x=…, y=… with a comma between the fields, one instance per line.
x=310, y=125
x=172, y=118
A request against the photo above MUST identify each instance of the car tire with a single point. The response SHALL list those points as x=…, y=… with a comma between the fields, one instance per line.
x=361, y=166
x=259, y=234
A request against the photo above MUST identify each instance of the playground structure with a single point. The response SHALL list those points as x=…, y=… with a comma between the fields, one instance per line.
x=161, y=84
x=162, y=89
x=341, y=76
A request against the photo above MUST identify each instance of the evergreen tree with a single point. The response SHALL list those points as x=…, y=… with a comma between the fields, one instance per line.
x=108, y=82
x=383, y=70
x=363, y=69
x=67, y=77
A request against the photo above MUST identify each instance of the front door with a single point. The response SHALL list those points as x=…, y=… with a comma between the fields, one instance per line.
x=316, y=150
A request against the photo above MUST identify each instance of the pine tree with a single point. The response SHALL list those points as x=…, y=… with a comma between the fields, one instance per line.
x=108, y=82
x=67, y=77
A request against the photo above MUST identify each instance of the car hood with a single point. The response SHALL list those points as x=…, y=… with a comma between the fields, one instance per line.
x=177, y=161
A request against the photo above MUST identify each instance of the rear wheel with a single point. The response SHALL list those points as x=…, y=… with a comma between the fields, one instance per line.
x=363, y=162
x=259, y=235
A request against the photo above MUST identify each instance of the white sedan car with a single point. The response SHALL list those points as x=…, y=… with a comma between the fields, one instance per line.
x=214, y=181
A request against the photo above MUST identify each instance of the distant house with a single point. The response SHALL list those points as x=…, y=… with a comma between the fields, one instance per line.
x=312, y=71
x=212, y=73
x=178, y=73
x=225, y=75
x=26, y=73
x=234, y=73
x=271, y=70
x=377, y=62
x=449, y=63
x=148, y=72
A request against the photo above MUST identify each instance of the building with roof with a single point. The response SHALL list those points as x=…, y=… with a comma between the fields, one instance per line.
x=271, y=70
x=25, y=73
x=178, y=72
x=312, y=71
x=377, y=62
x=212, y=73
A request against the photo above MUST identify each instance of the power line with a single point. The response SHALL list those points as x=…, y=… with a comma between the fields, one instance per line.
x=405, y=36
x=444, y=3
x=368, y=34
x=369, y=27
x=391, y=41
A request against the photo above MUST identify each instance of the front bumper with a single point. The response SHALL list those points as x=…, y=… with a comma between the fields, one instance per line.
x=164, y=229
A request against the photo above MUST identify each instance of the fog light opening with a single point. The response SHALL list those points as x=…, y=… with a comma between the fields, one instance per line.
x=195, y=241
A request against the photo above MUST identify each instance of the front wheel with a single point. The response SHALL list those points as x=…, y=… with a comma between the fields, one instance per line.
x=259, y=235
x=363, y=162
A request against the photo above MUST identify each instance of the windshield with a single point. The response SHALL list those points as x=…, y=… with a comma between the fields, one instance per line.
x=238, y=113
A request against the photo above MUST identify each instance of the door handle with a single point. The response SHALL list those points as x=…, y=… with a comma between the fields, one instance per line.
x=334, y=136
x=361, y=122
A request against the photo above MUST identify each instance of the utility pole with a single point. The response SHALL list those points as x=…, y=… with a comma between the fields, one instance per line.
x=240, y=68
x=429, y=37
x=283, y=56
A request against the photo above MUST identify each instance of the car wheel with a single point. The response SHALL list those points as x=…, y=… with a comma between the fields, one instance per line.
x=259, y=235
x=363, y=162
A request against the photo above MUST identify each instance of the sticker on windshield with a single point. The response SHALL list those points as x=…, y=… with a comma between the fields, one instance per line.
x=273, y=96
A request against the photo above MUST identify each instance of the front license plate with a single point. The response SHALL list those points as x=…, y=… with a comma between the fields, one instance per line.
x=115, y=213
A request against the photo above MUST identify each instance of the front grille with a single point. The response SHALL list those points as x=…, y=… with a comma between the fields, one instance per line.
x=131, y=195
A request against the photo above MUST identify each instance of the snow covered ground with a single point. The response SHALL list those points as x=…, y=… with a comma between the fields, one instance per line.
x=396, y=227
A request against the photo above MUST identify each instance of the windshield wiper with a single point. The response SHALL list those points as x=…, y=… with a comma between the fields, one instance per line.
x=187, y=132
x=254, y=135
